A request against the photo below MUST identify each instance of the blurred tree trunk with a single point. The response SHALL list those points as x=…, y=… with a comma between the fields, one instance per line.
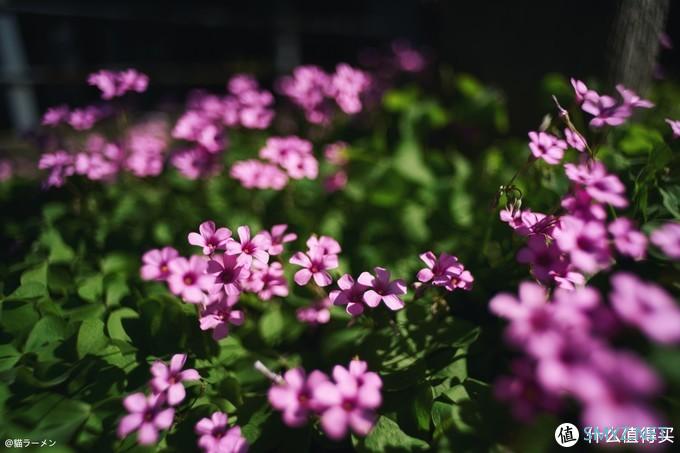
x=634, y=42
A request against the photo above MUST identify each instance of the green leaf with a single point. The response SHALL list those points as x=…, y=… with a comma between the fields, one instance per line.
x=422, y=405
x=91, y=338
x=59, y=250
x=8, y=356
x=272, y=326
x=408, y=161
x=29, y=290
x=91, y=288
x=386, y=436
x=671, y=200
x=114, y=324
x=49, y=329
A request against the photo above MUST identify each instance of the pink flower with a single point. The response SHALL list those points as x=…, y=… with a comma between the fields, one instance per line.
x=585, y=243
x=646, y=306
x=131, y=80
x=547, y=147
x=408, y=58
x=84, y=118
x=632, y=99
x=351, y=293
x=253, y=174
x=218, y=312
x=228, y=274
x=105, y=81
x=382, y=289
x=350, y=402
x=55, y=115
x=155, y=263
x=267, y=280
x=113, y=84
x=580, y=90
x=444, y=271
x=60, y=164
x=293, y=154
x=667, y=238
x=147, y=415
x=217, y=437
x=210, y=239
x=278, y=237
x=327, y=244
x=603, y=187
x=347, y=85
x=188, y=278
x=336, y=181
x=307, y=88
x=195, y=163
x=580, y=204
x=524, y=393
x=315, y=263
x=605, y=110
x=674, y=124
x=575, y=140
x=295, y=396
x=317, y=313
x=6, y=170
x=248, y=249
x=544, y=256
x=168, y=379
x=627, y=240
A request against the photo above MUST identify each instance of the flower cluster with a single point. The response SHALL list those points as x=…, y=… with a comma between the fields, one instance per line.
x=117, y=83
x=208, y=115
x=217, y=437
x=667, y=238
x=368, y=290
x=566, y=350
x=142, y=154
x=148, y=414
x=79, y=119
x=606, y=111
x=227, y=268
x=286, y=157
x=562, y=249
x=346, y=402
x=445, y=271
x=315, y=91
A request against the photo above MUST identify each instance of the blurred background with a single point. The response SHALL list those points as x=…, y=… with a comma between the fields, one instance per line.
x=47, y=48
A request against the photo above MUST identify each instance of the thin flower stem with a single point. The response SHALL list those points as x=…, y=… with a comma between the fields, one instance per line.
x=269, y=374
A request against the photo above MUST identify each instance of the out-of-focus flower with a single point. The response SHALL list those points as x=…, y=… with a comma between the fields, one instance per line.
x=585, y=243
x=575, y=140
x=350, y=401
x=55, y=115
x=294, y=397
x=60, y=164
x=217, y=437
x=195, y=163
x=147, y=416
x=317, y=313
x=675, y=127
x=667, y=238
x=602, y=186
x=336, y=181
x=547, y=147
x=628, y=240
x=253, y=174
x=646, y=306
x=155, y=263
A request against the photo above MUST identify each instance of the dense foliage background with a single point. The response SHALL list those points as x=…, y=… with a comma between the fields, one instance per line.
x=79, y=328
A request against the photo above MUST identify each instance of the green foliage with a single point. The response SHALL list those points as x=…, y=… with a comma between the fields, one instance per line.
x=79, y=328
